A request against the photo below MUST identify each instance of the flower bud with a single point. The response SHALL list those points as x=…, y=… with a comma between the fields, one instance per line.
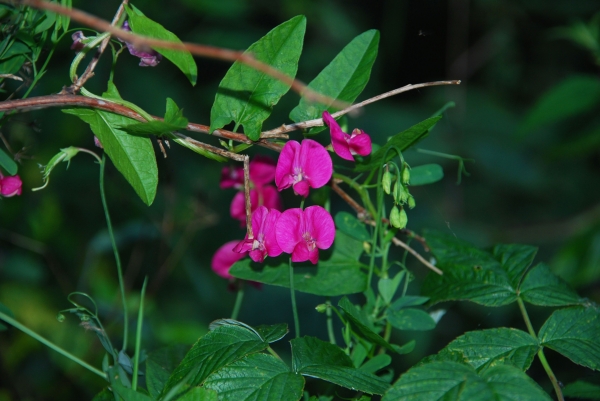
x=386, y=182
x=400, y=193
x=411, y=202
x=398, y=218
x=405, y=174
x=60, y=317
x=321, y=308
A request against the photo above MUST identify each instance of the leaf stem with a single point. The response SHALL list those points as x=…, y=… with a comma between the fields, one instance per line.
x=116, y=252
x=238, y=302
x=330, y=332
x=138, y=337
x=540, y=353
x=50, y=345
x=293, y=296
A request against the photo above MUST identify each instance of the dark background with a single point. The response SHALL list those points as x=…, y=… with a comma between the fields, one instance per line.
x=539, y=188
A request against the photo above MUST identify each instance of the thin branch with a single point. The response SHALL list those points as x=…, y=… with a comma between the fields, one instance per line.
x=318, y=122
x=144, y=42
x=89, y=71
x=42, y=102
x=417, y=255
x=247, y=196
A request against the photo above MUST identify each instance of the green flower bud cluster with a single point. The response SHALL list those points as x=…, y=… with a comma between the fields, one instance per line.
x=397, y=186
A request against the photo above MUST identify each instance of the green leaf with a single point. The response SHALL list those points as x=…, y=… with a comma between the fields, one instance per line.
x=575, y=95
x=173, y=121
x=402, y=141
x=220, y=347
x=104, y=395
x=376, y=363
x=8, y=164
x=273, y=332
x=469, y=273
x=542, y=287
x=247, y=96
x=316, y=358
x=256, y=377
x=484, y=347
x=410, y=319
x=354, y=316
x=183, y=59
x=132, y=155
x=338, y=274
x=458, y=382
x=573, y=332
x=426, y=174
x=126, y=393
x=159, y=366
x=408, y=300
x=349, y=224
x=515, y=259
x=387, y=287
x=343, y=79
x=199, y=394
x=581, y=389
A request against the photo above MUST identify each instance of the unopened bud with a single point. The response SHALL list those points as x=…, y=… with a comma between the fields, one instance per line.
x=60, y=317
x=321, y=308
x=65, y=155
x=405, y=174
x=386, y=182
x=400, y=193
x=367, y=247
x=411, y=202
x=398, y=218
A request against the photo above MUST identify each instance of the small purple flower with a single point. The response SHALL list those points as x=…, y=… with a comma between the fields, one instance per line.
x=346, y=146
x=303, y=232
x=302, y=166
x=147, y=58
x=10, y=185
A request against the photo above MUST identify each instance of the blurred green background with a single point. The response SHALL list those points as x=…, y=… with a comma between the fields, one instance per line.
x=535, y=179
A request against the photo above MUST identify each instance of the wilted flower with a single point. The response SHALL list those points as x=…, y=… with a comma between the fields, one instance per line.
x=264, y=242
x=147, y=58
x=78, y=41
x=302, y=166
x=303, y=232
x=346, y=146
x=10, y=185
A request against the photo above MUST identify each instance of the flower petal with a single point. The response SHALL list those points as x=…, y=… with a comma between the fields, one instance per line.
x=360, y=143
x=10, y=186
x=339, y=139
x=301, y=252
x=323, y=228
x=270, y=235
x=262, y=170
x=232, y=177
x=287, y=229
x=270, y=197
x=224, y=258
x=284, y=167
x=237, y=210
x=316, y=163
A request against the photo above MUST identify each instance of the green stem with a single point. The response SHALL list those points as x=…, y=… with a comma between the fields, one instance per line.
x=540, y=353
x=116, y=252
x=330, y=323
x=293, y=295
x=49, y=344
x=272, y=352
x=138, y=337
x=238, y=302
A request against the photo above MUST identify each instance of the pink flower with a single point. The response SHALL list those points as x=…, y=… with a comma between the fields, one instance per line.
x=10, y=185
x=260, y=196
x=147, y=58
x=302, y=166
x=303, y=232
x=232, y=177
x=224, y=258
x=346, y=146
x=264, y=242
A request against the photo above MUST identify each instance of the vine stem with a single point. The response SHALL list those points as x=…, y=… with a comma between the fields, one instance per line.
x=293, y=296
x=50, y=344
x=138, y=337
x=330, y=332
x=116, y=252
x=238, y=302
x=540, y=353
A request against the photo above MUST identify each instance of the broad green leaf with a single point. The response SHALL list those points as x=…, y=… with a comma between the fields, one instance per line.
x=126, y=393
x=258, y=377
x=408, y=300
x=199, y=394
x=218, y=348
x=583, y=390
x=12, y=65
x=376, y=363
x=575, y=95
x=337, y=274
x=132, y=155
x=174, y=120
x=343, y=79
x=316, y=358
x=410, y=319
x=349, y=224
x=402, y=141
x=484, y=347
x=388, y=286
x=469, y=273
x=426, y=174
x=458, y=382
x=159, y=366
x=104, y=395
x=8, y=164
x=183, y=59
x=273, y=332
x=515, y=259
x=354, y=316
x=247, y=96
x=574, y=332
x=542, y=287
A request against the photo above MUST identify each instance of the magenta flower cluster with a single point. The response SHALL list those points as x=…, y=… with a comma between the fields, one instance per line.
x=10, y=185
x=297, y=232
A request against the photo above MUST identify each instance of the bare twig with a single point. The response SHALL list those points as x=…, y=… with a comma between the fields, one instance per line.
x=89, y=71
x=417, y=255
x=247, y=197
x=318, y=122
x=11, y=76
x=144, y=42
x=42, y=102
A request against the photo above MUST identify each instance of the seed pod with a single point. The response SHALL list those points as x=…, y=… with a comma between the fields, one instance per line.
x=386, y=182
x=321, y=308
x=405, y=174
x=411, y=202
x=395, y=219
